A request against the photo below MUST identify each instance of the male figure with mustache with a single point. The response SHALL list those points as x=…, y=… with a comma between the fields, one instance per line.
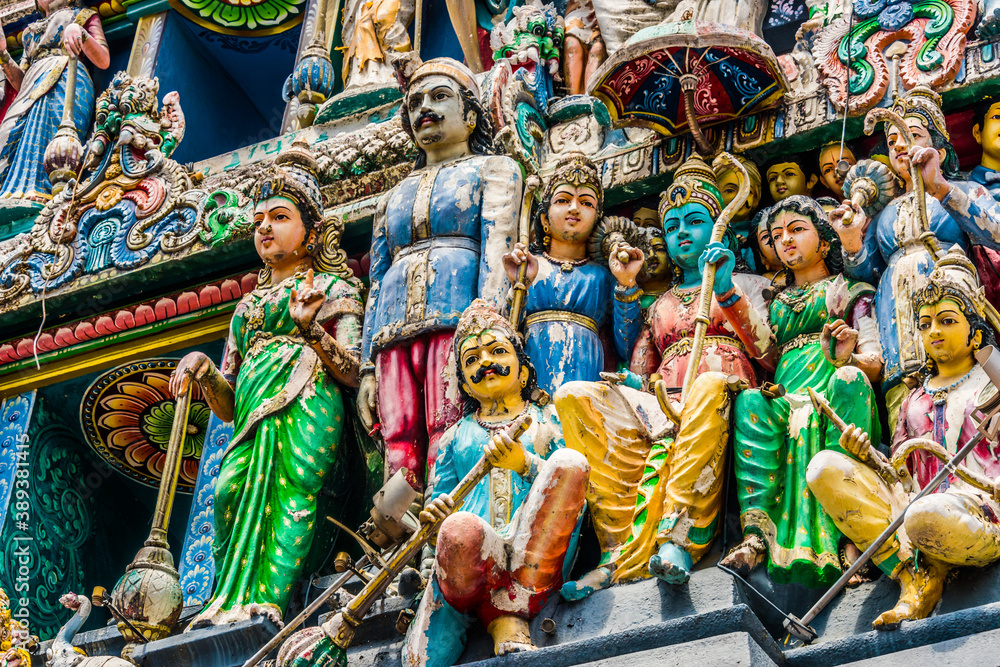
x=437, y=245
x=503, y=554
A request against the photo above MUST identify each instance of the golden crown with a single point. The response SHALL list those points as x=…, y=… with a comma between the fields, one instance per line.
x=694, y=182
x=954, y=276
x=576, y=169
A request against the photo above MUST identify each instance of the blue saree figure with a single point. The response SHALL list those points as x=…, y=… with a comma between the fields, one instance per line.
x=570, y=285
x=51, y=45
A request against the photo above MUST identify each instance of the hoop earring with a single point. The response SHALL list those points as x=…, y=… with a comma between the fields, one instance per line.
x=310, y=247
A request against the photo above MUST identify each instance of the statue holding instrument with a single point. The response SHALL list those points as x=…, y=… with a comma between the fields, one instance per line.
x=955, y=525
x=499, y=558
x=438, y=241
x=896, y=247
x=52, y=45
x=825, y=340
x=570, y=283
x=655, y=492
x=294, y=340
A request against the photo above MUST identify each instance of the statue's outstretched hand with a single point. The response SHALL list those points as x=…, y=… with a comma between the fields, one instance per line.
x=513, y=260
x=192, y=368
x=304, y=305
x=855, y=442
x=625, y=263
x=724, y=261
x=438, y=509
x=838, y=341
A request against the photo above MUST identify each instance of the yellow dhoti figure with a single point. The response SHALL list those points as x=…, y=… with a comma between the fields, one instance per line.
x=650, y=482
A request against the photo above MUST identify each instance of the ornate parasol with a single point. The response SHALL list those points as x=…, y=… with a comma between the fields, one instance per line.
x=684, y=75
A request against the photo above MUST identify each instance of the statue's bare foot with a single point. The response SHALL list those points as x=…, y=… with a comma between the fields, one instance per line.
x=510, y=635
x=671, y=564
x=268, y=611
x=594, y=580
x=919, y=592
x=851, y=554
x=746, y=555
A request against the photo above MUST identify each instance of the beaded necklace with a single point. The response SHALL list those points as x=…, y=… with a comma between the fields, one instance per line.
x=940, y=395
x=496, y=426
x=565, y=265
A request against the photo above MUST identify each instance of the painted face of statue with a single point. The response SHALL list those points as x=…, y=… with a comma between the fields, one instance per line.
x=785, y=179
x=572, y=213
x=899, y=159
x=646, y=217
x=796, y=241
x=436, y=112
x=279, y=235
x=490, y=367
x=945, y=330
x=989, y=134
x=828, y=174
x=729, y=186
x=767, y=252
x=657, y=264
x=687, y=230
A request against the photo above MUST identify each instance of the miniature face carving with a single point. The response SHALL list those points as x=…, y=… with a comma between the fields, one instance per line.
x=785, y=179
x=646, y=217
x=572, y=213
x=767, y=252
x=796, y=241
x=490, y=368
x=828, y=174
x=944, y=329
x=729, y=186
x=899, y=159
x=687, y=230
x=989, y=134
x=657, y=264
x=279, y=235
x=435, y=109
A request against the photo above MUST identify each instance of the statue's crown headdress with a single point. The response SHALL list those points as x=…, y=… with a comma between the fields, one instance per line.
x=576, y=169
x=449, y=67
x=925, y=103
x=479, y=317
x=954, y=276
x=295, y=175
x=694, y=181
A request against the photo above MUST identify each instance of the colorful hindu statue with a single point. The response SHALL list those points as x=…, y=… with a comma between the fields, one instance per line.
x=584, y=49
x=13, y=637
x=742, y=224
x=956, y=525
x=769, y=262
x=655, y=483
x=790, y=175
x=657, y=272
x=571, y=284
x=51, y=45
x=438, y=242
x=500, y=557
x=887, y=249
x=986, y=132
x=835, y=159
x=293, y=342
x=372, y=29
x=825, y=339
x=645, y=213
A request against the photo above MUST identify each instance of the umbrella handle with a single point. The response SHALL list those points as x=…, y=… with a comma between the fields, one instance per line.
x=688, y=84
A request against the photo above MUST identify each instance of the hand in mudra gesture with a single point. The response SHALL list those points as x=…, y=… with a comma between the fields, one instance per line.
x=304, y=304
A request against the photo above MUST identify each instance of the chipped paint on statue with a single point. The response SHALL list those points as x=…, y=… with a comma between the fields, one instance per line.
x=438, y=241
x=500, y=558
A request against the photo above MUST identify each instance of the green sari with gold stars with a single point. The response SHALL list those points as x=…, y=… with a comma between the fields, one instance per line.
x=776, y=439
x=287, y=431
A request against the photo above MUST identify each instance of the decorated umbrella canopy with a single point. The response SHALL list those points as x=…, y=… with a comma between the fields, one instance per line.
x=680, y=76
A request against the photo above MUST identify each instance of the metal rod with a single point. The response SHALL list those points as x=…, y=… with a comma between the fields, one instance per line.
x=821, y=604
x=171, y=471
x=292, y=625
x=708, y=278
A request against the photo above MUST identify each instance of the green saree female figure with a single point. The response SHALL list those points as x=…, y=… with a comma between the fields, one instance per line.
x=825, y=339
x=292, y=341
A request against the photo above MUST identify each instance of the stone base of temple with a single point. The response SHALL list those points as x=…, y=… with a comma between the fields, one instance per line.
x=712, y=621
